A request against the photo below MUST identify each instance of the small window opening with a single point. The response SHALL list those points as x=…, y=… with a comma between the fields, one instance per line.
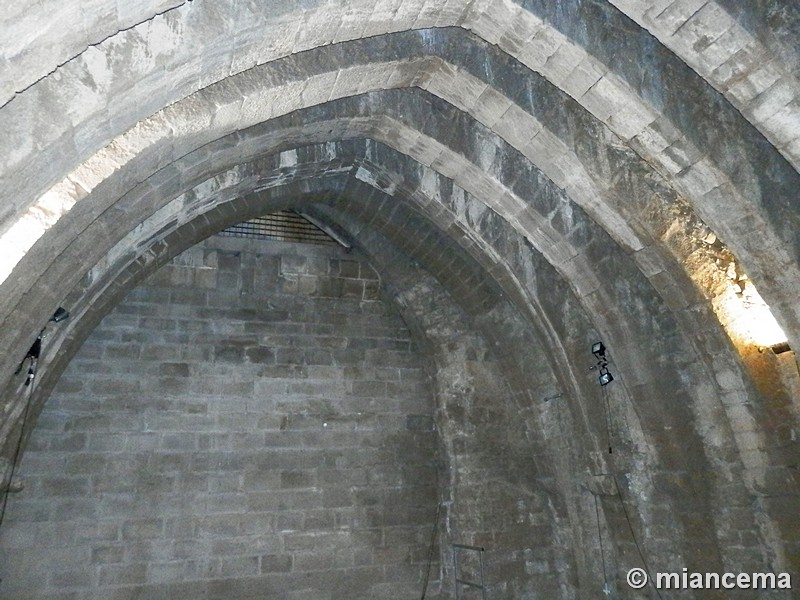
x=781, y=348
x=282, y=226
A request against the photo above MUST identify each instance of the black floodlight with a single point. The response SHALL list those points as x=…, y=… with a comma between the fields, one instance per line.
x=599, y=351
x=60, y=315
x=35, y=351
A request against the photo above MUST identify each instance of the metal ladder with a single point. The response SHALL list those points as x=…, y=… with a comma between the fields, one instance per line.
x=465, y=582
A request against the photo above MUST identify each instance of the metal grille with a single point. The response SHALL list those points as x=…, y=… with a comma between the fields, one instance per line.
x=283, y=226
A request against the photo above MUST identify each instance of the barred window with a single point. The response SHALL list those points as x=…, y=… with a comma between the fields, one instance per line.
x=284, y=226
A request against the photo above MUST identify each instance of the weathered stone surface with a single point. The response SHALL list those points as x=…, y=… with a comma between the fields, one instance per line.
x=238, y=448
x=525, y=176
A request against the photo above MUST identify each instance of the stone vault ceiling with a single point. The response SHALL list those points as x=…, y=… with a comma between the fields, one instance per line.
x=634, y=160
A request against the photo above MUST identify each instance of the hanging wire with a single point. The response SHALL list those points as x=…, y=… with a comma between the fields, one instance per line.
x=619, y=492
x=431, y=551
x=18, y=449
x=608, y=417
x=602, y=550
x=633, y=536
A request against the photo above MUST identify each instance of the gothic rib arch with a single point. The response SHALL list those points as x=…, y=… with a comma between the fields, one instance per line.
x=711, y=187
x=612, y=214
x=167, y=179
x=242, y=181
x=610, y=189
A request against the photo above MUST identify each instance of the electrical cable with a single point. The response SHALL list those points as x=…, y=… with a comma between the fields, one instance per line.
x=602, y=550
x=18, y=449
x=608, y=418
x=431, y=551
x=633, y=536
x=619, y=493
x=33, y=355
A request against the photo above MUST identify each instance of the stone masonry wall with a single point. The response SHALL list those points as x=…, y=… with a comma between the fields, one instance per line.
x=252, y=422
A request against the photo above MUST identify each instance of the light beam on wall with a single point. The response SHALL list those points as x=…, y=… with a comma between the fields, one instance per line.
x=23, y=234
x=55, y=203
x=747, y=317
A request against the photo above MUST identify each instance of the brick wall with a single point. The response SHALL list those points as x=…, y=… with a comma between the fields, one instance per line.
x=253, y=421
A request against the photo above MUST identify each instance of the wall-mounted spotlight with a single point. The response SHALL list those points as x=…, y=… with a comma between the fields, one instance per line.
x=599, y=351
x=605, y=377
x=61, y=314
x=33, y=355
